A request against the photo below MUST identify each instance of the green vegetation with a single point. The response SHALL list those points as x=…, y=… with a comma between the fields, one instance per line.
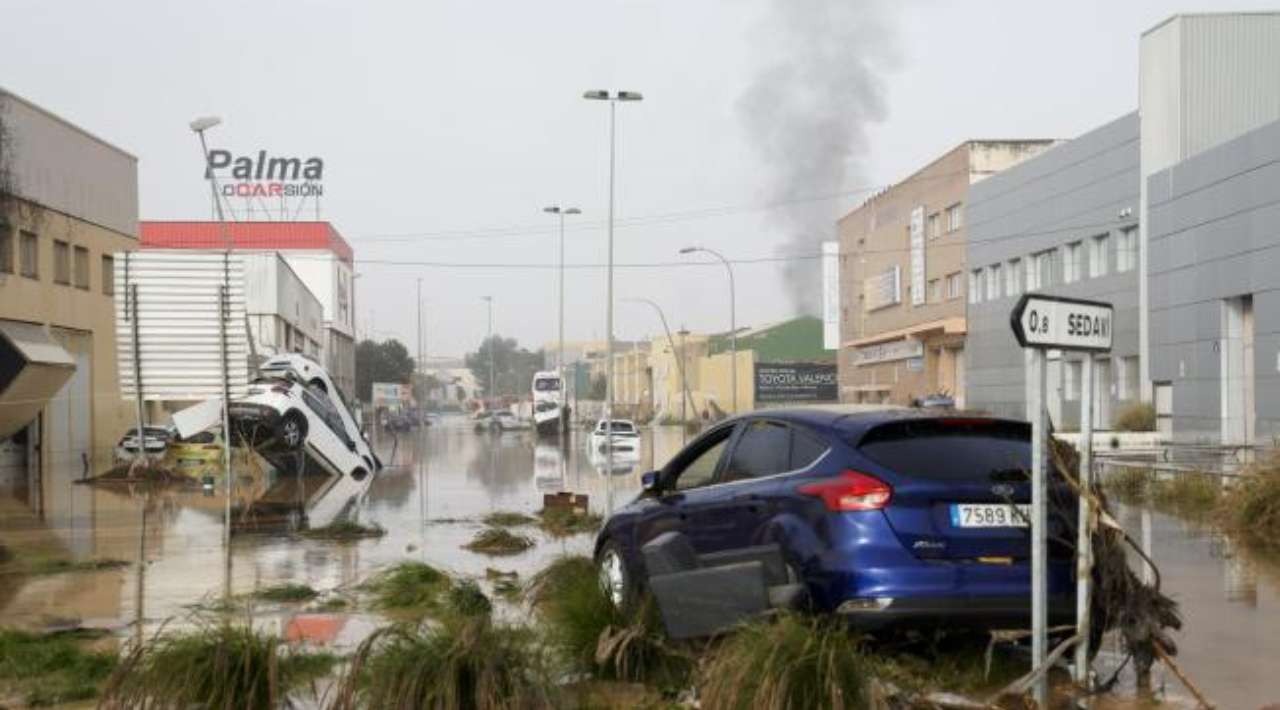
x=1128, y=485
x=505, y=584
x=788, y=662
x=593, y=636
x=1191, y=495
x=286, y=593
x=1139, y=416
x=508, y=519
x=498, y=541
x=412, y=586
x=51, y=669
x=58, y=565
x=343, y=530
x=467, y=663
x=563, y=522
x=1251, y=508
x=217, y=665
x=465, y=599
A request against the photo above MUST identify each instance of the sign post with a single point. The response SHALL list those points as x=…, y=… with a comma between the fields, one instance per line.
x=1042, y=323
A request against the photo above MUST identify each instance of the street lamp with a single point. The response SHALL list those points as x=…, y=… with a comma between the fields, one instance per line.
x=684, y=383
x=199, y=126
x=561, y=212
x=733, y=318
x=613, y=99
x=489, y=300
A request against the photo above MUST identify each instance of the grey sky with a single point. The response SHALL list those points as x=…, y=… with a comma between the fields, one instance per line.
x=439, y=118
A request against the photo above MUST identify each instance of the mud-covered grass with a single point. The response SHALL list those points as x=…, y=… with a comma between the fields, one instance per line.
x=499, y=541
x=1191, y=495
x=1127, y=484
x=345, y=530
x=1251, y=508
x=215, y=665
x=566, y=521
x=461, y=663
x=408, y=586
x=60, y=565
x=50, y=669
x=508, y=519
x=286, y=593
x=505, y=584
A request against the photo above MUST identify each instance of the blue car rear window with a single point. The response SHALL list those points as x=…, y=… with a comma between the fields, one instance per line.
x=951, y=449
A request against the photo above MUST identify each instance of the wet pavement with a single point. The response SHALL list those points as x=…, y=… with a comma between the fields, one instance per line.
x=437, y=486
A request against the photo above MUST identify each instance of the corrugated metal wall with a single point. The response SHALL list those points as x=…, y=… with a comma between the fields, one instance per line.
x=178, y=323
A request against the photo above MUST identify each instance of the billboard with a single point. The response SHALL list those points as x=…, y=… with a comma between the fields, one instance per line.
x=796, y=382
x=831, y=295
x=917, y=256
x=391, y=394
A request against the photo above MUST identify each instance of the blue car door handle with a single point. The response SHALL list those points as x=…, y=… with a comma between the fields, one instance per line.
x=752, y=502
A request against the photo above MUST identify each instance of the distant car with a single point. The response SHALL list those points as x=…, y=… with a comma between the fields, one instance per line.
x=286, y=415
x=504, y=420
x=936, y=401
x=155, y=440
x=623, y=437
x=884, y=517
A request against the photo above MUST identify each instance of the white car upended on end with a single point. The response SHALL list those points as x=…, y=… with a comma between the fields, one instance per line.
x=286, y=415
x=300, y=368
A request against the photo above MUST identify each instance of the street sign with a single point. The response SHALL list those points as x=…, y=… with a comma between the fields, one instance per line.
x=1058, y=323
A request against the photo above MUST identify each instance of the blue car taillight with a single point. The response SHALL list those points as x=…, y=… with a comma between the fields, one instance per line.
x=850, y=491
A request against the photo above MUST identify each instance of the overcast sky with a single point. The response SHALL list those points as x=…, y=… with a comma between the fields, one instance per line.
x=445, y=127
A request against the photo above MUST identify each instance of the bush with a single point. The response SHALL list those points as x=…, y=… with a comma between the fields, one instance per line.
x=1251, y=508
x=460, y=664
x=408, y=586
x=1139, y=416
x=217, y=666
x=566, y=521
x=1128, y=484
x=1188, y=494
x=344, y=530
x=498, y=541
x=788, y=662
x=52, y=668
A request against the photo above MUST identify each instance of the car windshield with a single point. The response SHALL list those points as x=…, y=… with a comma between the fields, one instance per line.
x=546, y=385
x=619, y=427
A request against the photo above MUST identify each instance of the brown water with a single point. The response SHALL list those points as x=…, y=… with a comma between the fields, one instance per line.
x=437, y=486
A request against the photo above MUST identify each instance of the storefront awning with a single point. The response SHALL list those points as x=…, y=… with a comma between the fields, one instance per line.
x=33, y=367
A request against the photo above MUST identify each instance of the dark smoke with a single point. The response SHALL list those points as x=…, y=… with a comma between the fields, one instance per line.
x=807, y=111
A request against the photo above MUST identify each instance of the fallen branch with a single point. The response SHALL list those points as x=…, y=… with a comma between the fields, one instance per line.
x=1020, y=686
x=1168, y=661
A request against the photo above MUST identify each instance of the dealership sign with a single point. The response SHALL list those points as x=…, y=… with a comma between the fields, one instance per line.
x=888, y=352
x=799, y=382
x=266, y=176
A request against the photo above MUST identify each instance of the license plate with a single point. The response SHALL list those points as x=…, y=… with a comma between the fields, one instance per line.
x=989, y=515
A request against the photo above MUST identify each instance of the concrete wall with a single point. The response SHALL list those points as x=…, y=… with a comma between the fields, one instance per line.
x=1080, y=189
x=1215, y=235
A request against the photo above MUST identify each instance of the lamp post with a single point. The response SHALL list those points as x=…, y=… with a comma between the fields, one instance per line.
x=420, y=370
x=561, y=212
x=733, y=318
x=684, y=383
x=489, y=300
x=199, y=126
x=613, y=99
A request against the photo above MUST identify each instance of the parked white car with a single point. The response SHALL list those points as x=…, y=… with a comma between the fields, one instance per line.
x=624, y=436
x=286, y=415
x=155, y=439
x=300, y=368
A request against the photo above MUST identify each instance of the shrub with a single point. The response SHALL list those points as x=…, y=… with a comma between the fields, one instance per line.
x=408, y=586
x=217, y=666
x=1251, y=508
x=1139, y=416
x=787, y=662
x=1191, y=494
x=566, y=521
x=498, y=541
x=1128, y=484
x=344, y=530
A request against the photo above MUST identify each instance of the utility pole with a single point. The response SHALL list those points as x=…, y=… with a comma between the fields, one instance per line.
x=418, y=370
x=489, y=340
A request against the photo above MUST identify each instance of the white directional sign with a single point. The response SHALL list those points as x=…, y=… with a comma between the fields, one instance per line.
x=1062, y=323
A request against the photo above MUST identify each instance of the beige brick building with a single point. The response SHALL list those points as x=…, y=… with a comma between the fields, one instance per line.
x=903, y=279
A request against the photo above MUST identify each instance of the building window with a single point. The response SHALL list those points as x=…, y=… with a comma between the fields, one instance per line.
x=1013, y=277
x=108, y=275
x=993, y=282
x=1099, y=262
x=6, y=250
x=82, y=268
x=953, y=286
x=61, y=262
x=1040, y=271
x=935, y=226
x=1071, y=262
x=955, y=217
x=975, y=286
x=1071, y=375
x=29, y=255
x=1127, y=381
x=935, y=290
x=1032, y=271
x=1127, y=250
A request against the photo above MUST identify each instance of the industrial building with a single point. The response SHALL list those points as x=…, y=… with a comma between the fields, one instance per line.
x=69, y=200
x=314, y=251
x=903, y=279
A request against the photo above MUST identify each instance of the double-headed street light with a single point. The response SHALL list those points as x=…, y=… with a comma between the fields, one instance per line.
x=613, y=99
x=561, y=212
x=733, y=318
x=684, y=382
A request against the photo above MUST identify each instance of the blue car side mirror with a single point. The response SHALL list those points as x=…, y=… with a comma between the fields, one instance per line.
x=649, y=481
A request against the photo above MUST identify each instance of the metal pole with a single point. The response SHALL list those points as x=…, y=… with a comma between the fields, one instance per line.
x=608, y=328
x=1039, y=570
x=733, y=322
x=1084, y=535
x=564, y=423
x=684, y=404
x=137, y=371
x=422, y=404
x=489, y=300
x=684, y=383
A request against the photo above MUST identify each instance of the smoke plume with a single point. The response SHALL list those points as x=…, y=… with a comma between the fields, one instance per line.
x=807, y=111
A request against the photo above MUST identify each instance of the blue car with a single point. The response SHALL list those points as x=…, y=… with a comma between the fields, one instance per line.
x=884, y=516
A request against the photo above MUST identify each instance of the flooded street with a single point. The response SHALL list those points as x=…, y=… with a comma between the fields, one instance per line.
x=436, y=487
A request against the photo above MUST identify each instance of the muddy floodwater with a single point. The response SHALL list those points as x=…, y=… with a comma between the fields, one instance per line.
x=437, y=486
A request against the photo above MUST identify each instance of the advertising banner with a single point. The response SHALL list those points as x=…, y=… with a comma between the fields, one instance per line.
x=796, y=382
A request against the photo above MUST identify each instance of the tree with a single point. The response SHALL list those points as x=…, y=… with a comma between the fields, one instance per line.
x=387, y=361
x=513, y=366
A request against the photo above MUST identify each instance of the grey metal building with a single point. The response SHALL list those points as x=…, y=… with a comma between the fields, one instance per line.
x=1064, y=223
x=1214, y=267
